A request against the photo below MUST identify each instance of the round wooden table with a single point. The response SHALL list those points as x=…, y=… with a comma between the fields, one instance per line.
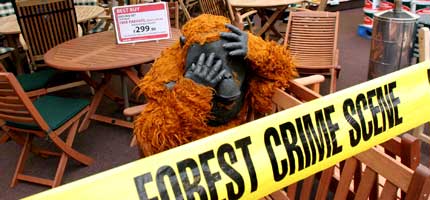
x=9, y=24
x=99, y=52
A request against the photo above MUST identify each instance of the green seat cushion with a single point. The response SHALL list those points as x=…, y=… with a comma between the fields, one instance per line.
x=36, y=80
x=4, y=50
x=54, y=110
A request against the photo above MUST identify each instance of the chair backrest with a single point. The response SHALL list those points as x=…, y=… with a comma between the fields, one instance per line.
x=186, y=7
x=45, y=24
x=368, y=175
x=348, y=179
x=15, y=106
x=217, y=7
x=311, y=37
x=174, y=13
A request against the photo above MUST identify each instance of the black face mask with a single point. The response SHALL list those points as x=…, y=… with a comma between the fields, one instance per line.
x=228, y=98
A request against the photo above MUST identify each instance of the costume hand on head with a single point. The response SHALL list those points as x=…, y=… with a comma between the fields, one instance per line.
x=206, y=72
x=238, y=41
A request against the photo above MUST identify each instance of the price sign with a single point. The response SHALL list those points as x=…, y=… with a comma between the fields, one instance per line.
x=143, y=22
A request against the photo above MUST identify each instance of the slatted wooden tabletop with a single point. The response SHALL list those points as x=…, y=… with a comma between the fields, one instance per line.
x=100, y=52
x=9, y=24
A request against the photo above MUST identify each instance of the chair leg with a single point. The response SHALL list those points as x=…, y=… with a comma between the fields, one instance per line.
x=64, y=157
x=67, y=149
x=22, y=158
x=4, y=138
x=333, y=78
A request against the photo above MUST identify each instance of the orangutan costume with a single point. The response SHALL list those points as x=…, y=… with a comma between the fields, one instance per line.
x=178, y=114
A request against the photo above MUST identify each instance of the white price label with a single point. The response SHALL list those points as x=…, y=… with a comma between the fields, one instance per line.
x=143, y=22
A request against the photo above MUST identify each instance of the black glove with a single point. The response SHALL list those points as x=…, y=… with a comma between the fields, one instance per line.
x=238, y=41
x=206, y=71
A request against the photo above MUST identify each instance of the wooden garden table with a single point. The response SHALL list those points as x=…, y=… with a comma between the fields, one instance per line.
x=99, y=52
x=10, y=28
x=260, y=5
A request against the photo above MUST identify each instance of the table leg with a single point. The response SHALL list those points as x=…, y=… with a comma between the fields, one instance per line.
x=125, y=95
x=132, y=75
x=94, y=85
x=95, y=102
x=270, y=22
x=11, y=41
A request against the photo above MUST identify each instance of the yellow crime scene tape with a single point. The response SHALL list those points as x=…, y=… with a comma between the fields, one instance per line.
x=265, y=155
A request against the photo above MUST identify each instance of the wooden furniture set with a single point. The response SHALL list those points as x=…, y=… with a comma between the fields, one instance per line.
x=99, y=52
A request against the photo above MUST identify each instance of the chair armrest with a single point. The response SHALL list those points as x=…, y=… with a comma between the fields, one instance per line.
x=302, y=92
x=309, y=80
x=298, y=9
x=247, y=14
x=133, y=111
x=313, y=82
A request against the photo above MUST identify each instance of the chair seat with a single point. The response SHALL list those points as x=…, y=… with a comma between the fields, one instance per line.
x=4, y=50
x=36, y=80
x=54, y=110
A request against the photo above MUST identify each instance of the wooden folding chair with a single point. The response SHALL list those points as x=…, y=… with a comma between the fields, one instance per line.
x=223, y=8
x=44, y=25
x=311, y=36
x=406, y=147
x=46, y=117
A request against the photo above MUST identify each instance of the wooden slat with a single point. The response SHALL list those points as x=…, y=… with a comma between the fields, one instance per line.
x=308, y=183
x=7, y=92
x=367, y=182
x=279, y=195
x=324, y=183
x=296, y=48
x=34, y=179
x=3, y=79
x=10, y=100
x=16, y=113
x=389, y=191
x=292, y=190
x=347, y=173
x=16, y=119
x=4, y=85
x=284, y=100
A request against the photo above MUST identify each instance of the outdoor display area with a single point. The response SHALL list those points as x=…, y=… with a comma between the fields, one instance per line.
x=353, y=71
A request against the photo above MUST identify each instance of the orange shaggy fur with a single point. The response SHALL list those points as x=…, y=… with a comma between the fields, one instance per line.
x=178, y=116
